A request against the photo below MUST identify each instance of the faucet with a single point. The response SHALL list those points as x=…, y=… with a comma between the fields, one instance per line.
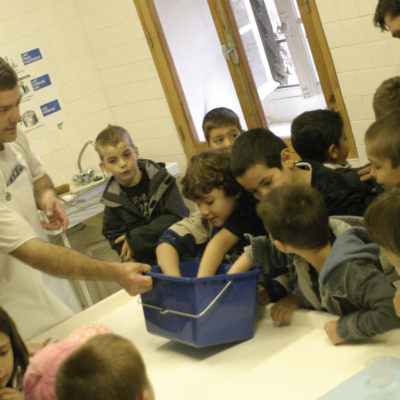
x=84, y=177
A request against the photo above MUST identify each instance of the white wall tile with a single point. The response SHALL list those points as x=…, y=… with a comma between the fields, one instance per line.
x=327, y=10
x=361, y=56
x=381, y=53
x=352, y=31
x=366, y=7
x=347, y=9
x=342, y=59
x=335, y=34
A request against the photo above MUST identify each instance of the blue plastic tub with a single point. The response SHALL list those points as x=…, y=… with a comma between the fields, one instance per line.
x=201, y=311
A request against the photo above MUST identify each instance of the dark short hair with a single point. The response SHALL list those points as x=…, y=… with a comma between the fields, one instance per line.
x=382, y=220
x=106, y=367
x=111, y=136
x=296, y=214
x=313, y=132
x=218, y=118
x=384, y=8
x=21, y=356
x=8, y=77
x=206, y=171
x=256, y=146
x=383, y=138
x=387, y=97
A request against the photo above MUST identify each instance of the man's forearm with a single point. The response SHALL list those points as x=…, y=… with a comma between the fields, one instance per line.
x=64, y=262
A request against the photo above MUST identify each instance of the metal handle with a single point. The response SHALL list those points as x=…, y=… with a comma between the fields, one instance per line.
x=186, y=314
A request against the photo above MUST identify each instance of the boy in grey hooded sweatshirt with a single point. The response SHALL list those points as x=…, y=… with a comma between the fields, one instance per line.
x=334, y=267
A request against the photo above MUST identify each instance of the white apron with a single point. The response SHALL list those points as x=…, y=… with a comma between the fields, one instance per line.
x=22, y=292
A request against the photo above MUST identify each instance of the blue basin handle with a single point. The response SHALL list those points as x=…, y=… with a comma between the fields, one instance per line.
x=229, y=283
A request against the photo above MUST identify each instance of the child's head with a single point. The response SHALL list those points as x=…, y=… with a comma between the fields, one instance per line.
x=382, y=220
x=295, y=216
x=387, y=97
x=208, y=181
x=221, y=127
x=382, y=144
x=387, y=16
x=318, y=135
x=105, y=367
x=118, y=155
x=261, y=161
x=14, y=356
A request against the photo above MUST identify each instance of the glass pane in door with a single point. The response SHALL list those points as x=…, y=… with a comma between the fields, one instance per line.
x=195, y=48
x=280, y=60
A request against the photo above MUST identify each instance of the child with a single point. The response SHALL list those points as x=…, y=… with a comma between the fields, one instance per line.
x=382, y=144
x=318, y=135
x=382, y=220
x=14, y=359
x=335, y=266
x=221, y=127
x=105, y=367
x=261, y=161
x=141, y=199
x=387, y=97
x=39, y=380
x=208, y=181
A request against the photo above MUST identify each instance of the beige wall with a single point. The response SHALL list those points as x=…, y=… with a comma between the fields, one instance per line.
x=363, y=56
x=104, y=73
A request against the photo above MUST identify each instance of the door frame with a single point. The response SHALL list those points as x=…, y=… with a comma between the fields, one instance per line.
x=241, y=76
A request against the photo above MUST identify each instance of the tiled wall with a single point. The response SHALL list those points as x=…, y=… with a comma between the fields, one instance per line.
x=104, y=73
x=363, y=57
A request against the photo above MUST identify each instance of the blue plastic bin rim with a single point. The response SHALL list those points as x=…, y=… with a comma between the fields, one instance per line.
x=160, y=275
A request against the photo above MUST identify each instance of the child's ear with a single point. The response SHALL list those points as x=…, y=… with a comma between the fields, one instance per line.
x=286, y=158
x=137, y=151
x=143, y=396
x=332, y=152
x=103, y=166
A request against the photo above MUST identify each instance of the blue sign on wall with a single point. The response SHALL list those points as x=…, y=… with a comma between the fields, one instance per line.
x=41, y=82
x=50, y=108
x=31, y=56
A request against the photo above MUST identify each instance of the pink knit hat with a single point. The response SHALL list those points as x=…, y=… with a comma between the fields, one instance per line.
x=39, y=380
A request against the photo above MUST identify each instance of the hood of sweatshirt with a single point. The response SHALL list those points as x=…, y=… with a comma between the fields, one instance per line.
x=352, y=244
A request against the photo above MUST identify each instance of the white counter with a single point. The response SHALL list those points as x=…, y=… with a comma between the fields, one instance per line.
x=292, y=362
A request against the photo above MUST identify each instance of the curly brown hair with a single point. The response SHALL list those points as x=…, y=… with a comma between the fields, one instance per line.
x=206, y=171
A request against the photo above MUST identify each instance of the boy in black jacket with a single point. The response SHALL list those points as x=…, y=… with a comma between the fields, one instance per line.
x=142, y=199
x=261, y=161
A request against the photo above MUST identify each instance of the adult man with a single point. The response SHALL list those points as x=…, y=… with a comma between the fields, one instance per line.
x=24, y=187
x=387, y=16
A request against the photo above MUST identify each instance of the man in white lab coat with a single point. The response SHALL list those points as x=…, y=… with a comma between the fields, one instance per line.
x=24, y=187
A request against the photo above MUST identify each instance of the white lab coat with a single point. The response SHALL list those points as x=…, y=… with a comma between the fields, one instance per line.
x=22, y=291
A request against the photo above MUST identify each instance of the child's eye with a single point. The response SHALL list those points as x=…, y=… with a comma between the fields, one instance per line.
x=3, y=353
x=209, y=202
x=234, y=135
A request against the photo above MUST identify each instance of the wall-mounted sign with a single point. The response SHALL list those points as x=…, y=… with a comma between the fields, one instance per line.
x=41, y=106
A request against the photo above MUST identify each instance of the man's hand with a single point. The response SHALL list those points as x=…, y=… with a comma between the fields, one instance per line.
x=396, y=302
x=365, y=173
x=284, y=308
x=331, y=330
x=126, y=252
x=131, y=278
x=56, y=217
